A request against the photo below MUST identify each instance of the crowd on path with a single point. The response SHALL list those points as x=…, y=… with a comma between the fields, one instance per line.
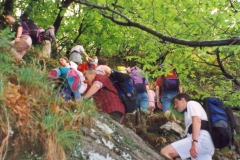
x=77, y=79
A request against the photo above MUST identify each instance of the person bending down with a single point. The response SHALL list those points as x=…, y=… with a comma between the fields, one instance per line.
x=105, y=95
x=198, y=143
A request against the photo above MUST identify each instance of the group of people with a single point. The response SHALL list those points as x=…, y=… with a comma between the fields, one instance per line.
x=23, y=42
x=94, y=82
x=197, y=145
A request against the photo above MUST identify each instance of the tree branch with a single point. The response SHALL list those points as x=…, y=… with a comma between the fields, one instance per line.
x=231, y=5
x=234, y=80
x=127, y=22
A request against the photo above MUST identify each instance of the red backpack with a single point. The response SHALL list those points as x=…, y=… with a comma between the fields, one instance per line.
x=85, y=66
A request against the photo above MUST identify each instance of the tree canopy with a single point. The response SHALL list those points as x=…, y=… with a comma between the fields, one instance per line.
x=200, y=38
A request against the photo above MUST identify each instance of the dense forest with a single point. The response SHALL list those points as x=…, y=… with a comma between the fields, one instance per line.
x=200, y=39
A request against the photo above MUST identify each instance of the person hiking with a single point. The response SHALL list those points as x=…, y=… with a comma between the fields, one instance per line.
x=166, y=88
x=68, y=81
x=76, y=54
x=102, y=67
x=197, y=145
x=105, y=95
x=152, y=97
x=140, y=83
x=63, y=61
x=94, y=61
x=22, y=42
x=47, y=39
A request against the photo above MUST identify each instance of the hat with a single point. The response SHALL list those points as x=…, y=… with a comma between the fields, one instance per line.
x=121, y=68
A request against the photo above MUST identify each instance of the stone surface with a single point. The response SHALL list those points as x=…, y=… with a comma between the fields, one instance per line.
x=108, y=140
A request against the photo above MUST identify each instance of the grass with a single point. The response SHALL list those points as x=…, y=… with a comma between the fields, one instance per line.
x=42, y=122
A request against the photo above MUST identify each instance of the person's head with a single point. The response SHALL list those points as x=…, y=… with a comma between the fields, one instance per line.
x=102, y=61
x=94, y=57
x=89, y=76
x=128, y=69
x=51, y=27
x=63, y=61
x=151, y=85
x=180, y=101
x=9, y=18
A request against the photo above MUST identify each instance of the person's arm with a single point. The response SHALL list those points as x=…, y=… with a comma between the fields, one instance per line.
x=19, y=34
x=196, y=127
x=85, y=54
x=107, y=70
x=53, y=37
x=180, y=89
x=92, y=90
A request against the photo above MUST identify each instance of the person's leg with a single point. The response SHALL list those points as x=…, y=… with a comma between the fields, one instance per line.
x=19, y=49
x=76, y=95
x=118, y=116
x=169, y=152
x=166, y=102
x=167, y=99
x=65, y=93
x=46, y=48
x=143, y=100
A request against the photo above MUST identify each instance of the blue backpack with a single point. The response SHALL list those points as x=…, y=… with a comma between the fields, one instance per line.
x=125, y=89
x=220, y=124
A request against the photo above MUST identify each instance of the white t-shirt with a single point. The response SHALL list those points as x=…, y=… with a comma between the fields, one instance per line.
x=75, y=54
x=193, y=109
x=77, y=48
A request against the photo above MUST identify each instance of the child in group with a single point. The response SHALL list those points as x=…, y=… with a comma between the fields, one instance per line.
x=151, y=97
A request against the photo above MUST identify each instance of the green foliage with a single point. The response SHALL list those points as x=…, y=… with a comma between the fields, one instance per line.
x=31, y=77
x=5, y=36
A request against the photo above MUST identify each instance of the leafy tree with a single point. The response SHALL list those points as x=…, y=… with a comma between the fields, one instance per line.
x=199, y=37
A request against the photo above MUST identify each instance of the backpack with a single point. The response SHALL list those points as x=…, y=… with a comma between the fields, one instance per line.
x=221, y=122
x=126, y=91
x=169, y=84
x=138, y=79
x=82, y=67
x=67, y=76
x=31, y=28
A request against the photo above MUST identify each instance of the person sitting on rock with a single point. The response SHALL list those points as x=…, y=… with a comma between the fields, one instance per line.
x=198, y=144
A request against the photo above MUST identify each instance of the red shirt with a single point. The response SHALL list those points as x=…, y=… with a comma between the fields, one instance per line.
x=107, y=98
x=170, y=75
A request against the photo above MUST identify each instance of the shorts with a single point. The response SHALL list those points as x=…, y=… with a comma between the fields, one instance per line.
x=205, y=147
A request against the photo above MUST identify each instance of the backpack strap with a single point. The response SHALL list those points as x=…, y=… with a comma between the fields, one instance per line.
x=204, y=126
x=25, y=27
